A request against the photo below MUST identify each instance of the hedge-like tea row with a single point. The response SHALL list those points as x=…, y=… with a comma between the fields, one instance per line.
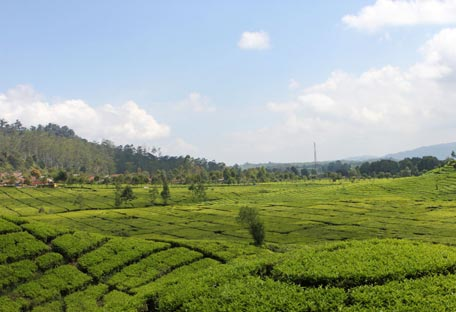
x=86, y=300
x=252, y=294
x=16, y=272
x=117, y=252
x=8, y=227
x=14, y=246
x=432, y=294
x=73, y=245
x=51, y=285
x=44, y=231
x=169, y=292
x=356, y=263
x=49, y=260
x=152, y=267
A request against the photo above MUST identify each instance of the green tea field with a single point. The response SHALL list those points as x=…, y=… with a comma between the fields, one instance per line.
x=368, y=245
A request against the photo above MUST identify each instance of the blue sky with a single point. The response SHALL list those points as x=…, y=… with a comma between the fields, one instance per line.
x=174, y=74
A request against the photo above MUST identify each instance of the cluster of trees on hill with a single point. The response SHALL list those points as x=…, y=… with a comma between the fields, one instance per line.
x=56, y=151
x=383, y=168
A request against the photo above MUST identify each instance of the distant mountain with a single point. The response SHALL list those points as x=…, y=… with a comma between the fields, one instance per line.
x=440, y=151
x=362, y=158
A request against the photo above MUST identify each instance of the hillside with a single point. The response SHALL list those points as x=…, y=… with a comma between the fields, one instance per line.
x=441, y=151
x=364, y=245
x=55, y=269
x=53, y=147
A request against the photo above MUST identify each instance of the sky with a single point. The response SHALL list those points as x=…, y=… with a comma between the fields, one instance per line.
x=235, y=81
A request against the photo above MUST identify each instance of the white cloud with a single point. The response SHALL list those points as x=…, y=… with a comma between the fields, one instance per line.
x=196, y=102
x=382, y=110
x=254, y=41
x=293, y=84
x=123, y=124
x=387, y=13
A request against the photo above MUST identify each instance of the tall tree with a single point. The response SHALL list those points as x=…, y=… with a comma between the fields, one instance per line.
x=165, y=193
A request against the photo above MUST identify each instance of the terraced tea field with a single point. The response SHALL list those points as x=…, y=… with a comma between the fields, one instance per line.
x=375, y=245
x=56, y=269
x=420, y=208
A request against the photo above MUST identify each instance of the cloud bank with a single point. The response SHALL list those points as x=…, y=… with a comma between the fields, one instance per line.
x=127, y=123
x=389, y=13
x=382, y=110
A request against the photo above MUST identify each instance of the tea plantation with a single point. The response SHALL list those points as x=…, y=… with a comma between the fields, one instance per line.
x=368, y=245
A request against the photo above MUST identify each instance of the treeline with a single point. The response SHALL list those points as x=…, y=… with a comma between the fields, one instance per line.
x=57, y=152
x=383, y=168
x=54, y=149
x=50, y=147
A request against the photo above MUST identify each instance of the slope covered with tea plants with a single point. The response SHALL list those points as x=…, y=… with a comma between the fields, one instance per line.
x=56, y=269
x=419, y=208
x=371, y=245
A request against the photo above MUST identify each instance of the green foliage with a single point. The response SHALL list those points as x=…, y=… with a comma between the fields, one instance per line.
x=253, y=294
x=11, y=305
x=198, y=191
x=152, y=267
x=222, y=250
x=51, y=285
x=118, y=195
x=215, y=269
x=73, y=245
x=165, y=193
x=14, y=246
x=250, y=218
x=14, y=219
x=169, y=292
x=356, y=263
x=54, y=306
x=432, y=294
x=115, y=253
x=79, y=201
x=44, y=231
x=61, y=176
x=49, y=260
x=127, y=194
x=153, y=195
x=16, y=272
x=7, y=227
x=117, y=301
x=51, y=149
x=86, y=300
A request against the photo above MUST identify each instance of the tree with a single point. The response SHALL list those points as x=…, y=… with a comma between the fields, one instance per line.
x=117, y=194
x=153, y=195
x=61, y=176
x=127, y=194
x=249, y=217
x=304, y=172
x=165, y=193
x=294, y=170
x=198, y=191
x=35, y=173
